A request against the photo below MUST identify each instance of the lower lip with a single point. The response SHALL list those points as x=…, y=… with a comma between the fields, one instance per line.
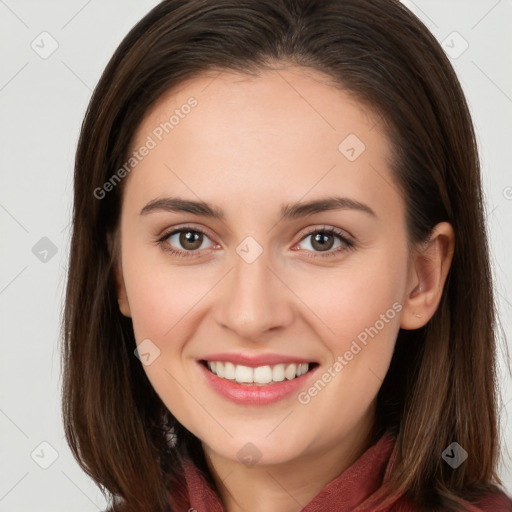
x=246, y=394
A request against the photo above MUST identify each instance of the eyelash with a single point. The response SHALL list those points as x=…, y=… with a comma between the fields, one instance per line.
x=347, y=243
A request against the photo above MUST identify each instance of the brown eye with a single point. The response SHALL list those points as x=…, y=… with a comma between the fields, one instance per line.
x=330, y=241
x=190, y=240
x=185, y=240
x=322, y=241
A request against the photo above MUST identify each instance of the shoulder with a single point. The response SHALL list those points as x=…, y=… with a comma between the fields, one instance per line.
x=495, y=502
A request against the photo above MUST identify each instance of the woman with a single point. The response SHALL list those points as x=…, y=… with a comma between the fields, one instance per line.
x=279, y=292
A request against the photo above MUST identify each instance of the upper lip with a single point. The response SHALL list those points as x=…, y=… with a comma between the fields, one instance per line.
x=255, y=360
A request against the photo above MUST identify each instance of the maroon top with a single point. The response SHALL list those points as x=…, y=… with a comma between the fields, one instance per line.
x=343, y=494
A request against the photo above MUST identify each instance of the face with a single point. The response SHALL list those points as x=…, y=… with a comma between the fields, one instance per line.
x=263, y=277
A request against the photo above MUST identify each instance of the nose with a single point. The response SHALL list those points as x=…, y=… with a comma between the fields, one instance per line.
x=254, y=299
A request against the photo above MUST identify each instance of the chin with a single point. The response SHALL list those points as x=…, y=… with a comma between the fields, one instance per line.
x=252, y=450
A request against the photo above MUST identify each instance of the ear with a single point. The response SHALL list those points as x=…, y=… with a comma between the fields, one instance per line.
x=122, y=297
x=428, y=270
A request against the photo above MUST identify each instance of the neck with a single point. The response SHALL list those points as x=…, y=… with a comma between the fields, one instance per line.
x=289, y=486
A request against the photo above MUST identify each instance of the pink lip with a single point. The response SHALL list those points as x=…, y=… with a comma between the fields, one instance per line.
x=254, y=361
x=245, y=394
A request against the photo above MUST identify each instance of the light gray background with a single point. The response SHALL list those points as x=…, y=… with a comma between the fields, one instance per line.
x=42, y=103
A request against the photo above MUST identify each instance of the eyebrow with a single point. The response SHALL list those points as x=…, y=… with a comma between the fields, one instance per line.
x=288, y=212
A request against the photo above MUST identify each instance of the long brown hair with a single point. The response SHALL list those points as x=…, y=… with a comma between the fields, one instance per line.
x=441, y=383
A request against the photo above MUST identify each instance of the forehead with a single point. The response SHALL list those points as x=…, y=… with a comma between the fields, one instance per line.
x=294, y=100
x=284, y=132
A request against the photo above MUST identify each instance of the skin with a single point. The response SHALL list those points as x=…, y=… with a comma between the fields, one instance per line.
x=252, y=144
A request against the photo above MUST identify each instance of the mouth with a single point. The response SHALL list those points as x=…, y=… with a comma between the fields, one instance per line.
x=264, y=375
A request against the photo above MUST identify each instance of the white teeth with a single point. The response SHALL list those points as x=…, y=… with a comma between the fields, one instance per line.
x=291, y=371
x=278, y=373
x=243, y=373
x=303, y=368
x=259, y=375
x=263, y=374
x=219, y=368
x=229, y=370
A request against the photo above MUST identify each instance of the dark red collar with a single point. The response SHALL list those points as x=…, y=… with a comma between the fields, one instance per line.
x=355, y=485
x=346, y=492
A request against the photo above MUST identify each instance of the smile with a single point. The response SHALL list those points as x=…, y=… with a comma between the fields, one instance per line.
x=256, y=385
x=261, y=375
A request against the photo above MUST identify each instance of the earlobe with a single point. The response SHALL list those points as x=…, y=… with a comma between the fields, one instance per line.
x=114, y=250
x=429, y=268
x=122, y=297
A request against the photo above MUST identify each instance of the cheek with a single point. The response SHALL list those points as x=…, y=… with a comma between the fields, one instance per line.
x=360, y=317
x=349, y=300
x=159, y=302
x=161, y=296
x=358, y=311
x=163, y=304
